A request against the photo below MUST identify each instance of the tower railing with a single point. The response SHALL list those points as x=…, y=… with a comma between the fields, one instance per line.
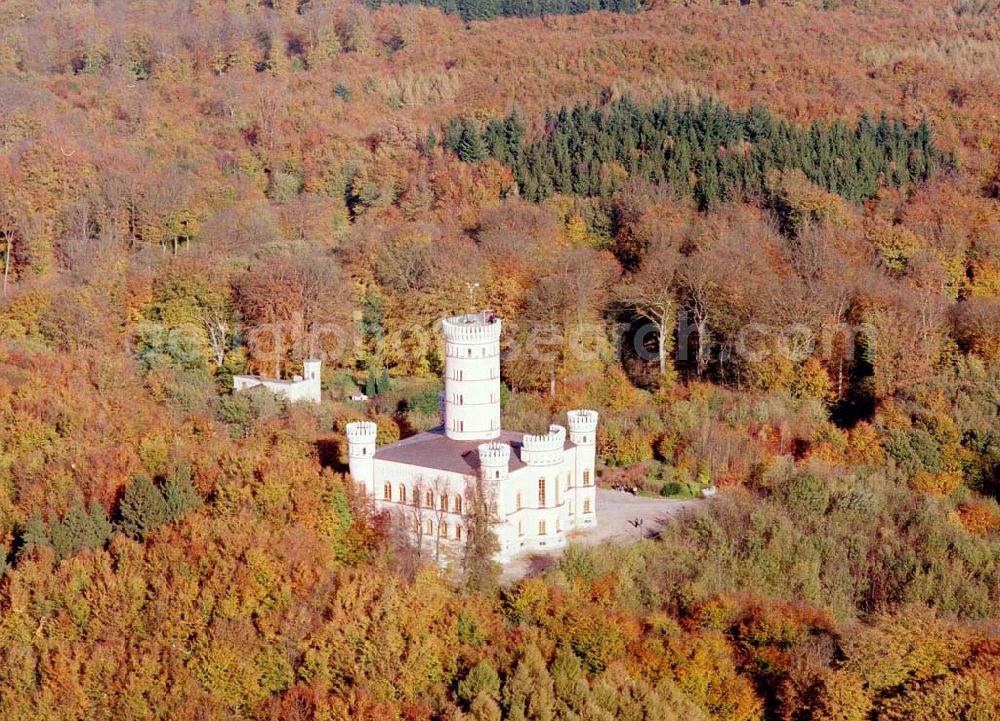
x=473, y=328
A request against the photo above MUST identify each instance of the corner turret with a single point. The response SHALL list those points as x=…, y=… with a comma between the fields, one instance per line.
x=583, y=433
x=361, y=453
x=544, y=450
x=582, y=426
x=494, y=461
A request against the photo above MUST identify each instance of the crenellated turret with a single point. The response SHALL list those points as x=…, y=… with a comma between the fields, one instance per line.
x=544, y=450
x=494, y=461
x=583, y=433
x=361, y=437
x=582, y=426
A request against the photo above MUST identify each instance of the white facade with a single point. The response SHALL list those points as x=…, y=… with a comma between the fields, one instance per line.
x=539, y=487
x=305, y=387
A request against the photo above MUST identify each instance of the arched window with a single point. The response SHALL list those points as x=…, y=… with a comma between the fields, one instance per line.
x=443, y=530
x=541, y=493
x=429, y=499
x=429, y=527
x=586, y=505
x=458, y=504
x=444, y=501
x=402, y=493
x=541, y=528
x=458, y=532
x=387, y=491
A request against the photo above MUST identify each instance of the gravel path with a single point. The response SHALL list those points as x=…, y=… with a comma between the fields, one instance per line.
x=615, y=512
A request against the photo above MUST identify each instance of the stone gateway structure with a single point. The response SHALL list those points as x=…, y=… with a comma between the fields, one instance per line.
x=537, y=487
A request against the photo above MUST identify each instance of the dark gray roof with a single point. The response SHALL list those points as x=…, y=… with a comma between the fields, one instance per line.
x=434, y=449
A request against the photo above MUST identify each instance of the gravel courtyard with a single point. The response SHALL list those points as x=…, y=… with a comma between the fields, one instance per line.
x=616, y=512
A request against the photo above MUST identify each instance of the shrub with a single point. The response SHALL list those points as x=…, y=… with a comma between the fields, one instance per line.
x=913, y=450
x=806, y=495
x=979, y=517
x=940, y=484
x=481, y=679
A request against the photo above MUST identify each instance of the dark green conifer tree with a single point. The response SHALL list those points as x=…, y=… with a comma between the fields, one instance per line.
x=179, y=492
x=470, y=146
x=79, y=529
x=34, y=534
x=142, y=508
x=453, y=134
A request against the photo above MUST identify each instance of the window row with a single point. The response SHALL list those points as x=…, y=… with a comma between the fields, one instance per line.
x=443, y=530
x=458, y=399
x=459, y=425
x=572, y=509
x=542, y=527
x=456, y=352
x=541, y=490
x=457, y=374
x=424, y=495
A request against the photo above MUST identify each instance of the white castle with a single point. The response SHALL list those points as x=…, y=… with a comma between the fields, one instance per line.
x=305, y=387
x=538, y=487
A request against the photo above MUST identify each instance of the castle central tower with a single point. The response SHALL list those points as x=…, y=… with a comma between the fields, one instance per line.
x=472, y=376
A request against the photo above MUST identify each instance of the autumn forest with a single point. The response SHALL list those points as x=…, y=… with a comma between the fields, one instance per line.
x=762, y=239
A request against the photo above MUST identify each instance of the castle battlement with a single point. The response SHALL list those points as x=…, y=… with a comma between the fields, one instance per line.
x=494, y=454
x=544, y=450
x=555, y=439
x=483, y=327
x=361, y=432
x=582, y=421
